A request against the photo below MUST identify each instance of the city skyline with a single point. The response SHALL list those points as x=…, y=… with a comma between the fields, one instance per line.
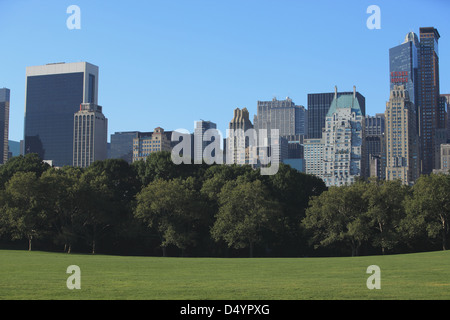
x=176, y=63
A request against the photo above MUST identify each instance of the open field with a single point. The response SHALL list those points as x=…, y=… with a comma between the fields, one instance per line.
x=42, y=275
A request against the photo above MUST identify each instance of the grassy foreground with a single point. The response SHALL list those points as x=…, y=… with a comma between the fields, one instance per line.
x=42, y=275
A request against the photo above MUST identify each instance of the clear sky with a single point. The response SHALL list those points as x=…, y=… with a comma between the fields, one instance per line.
x=170, y=62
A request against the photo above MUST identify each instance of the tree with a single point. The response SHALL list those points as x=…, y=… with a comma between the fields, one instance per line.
x=245, y=211
x=28, y=163
x=385, y=212
x=23, y=215
x=428, y=208
x=61, y=202
x=293, y=190
x=338, y=216
x=172, y=208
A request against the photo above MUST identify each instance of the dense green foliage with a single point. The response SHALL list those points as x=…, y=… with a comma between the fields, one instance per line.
x=155, y=207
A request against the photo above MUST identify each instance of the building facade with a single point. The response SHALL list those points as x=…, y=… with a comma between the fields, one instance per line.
x=241, y=145
x=318, y=106
x=375, y=146
x=314, y=164
x=4, y=123
x=284, y=115
x=202, y=127
x=150, y=142
x=404, y=66
x=402, y=140
x=344, y=141
x=122, y=145
x=54, y=93
x=445, y=160
x=428, y=97
x=90, y=135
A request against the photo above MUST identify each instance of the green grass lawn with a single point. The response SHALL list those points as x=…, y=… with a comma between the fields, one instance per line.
x=42, y=275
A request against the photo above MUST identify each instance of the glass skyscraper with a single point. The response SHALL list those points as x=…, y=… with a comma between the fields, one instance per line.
x=404, y=66
x=429, y=113
x=122, y=145
x=54, y=93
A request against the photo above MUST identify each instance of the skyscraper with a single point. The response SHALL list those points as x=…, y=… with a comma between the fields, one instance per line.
x=318, y=106
x=201, y=127
x=54, y=93
x=90, y=135
x=283, y=115
x=343, y=141
x=237, y=141
x=4, y=124
x=402, y=141
x=428, y=97
x=375, y=146
x=404, y=66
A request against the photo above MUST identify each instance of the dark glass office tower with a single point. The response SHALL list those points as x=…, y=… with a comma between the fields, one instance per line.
x=318, y=106
x=428, y=96
x=4, y=124
x=404, y=66
x=122, y=145
x=54, y=93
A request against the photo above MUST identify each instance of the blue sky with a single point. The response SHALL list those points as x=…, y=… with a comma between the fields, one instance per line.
x=170, y=62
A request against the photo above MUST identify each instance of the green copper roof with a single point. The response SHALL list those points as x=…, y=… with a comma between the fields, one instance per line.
x=345, y=101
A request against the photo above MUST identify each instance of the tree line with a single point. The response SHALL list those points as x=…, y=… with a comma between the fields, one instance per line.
x=155, y=207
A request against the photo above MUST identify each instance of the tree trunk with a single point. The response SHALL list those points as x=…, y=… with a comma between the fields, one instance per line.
x=251, y=249
x=29, y=243
x=164, y=250
x=93, y=246
x=444, y=233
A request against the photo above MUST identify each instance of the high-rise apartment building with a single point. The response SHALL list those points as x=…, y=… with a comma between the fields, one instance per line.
x=54, y=93
x=314, y=149
x=375, y=146
x=284, y=115
x=428, y=97
x=90, y=135
x=318, y=106
x=202, y=138
x=445, y=160
x=4, y=123
x=149, y=142
x=402, y=140
x=241, y=148
x=343, y=141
